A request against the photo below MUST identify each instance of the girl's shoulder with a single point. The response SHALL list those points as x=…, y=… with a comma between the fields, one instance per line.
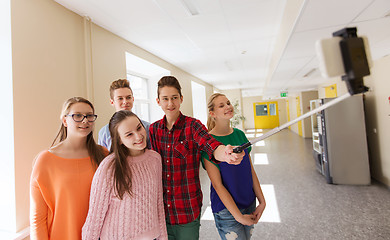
x=43, y=158
x=238, y=131
x=106, y=162
x=152, y=154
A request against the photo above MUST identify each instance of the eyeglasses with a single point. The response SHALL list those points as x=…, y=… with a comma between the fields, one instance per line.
x=78, y=117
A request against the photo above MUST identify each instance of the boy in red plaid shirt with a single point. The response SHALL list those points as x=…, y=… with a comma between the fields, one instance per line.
x=180, y=139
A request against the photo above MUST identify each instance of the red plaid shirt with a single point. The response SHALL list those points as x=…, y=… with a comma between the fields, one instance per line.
x=180, y=149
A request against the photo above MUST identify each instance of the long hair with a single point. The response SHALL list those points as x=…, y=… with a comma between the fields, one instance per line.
x=210, y=106
x=95, y=151
x=121, y=169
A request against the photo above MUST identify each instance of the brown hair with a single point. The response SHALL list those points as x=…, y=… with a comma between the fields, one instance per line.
x=168, y=81
x=120, y=83
x=210, y=106
x=94, y=151
x=121, y=170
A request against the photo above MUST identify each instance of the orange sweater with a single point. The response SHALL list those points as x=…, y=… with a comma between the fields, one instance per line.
x=59, y=196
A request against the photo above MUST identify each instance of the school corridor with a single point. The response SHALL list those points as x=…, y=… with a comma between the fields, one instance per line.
x=300, y=204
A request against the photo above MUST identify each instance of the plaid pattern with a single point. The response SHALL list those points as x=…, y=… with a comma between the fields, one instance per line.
x=180, y=149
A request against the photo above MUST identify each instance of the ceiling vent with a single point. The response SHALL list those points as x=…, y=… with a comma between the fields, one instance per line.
x=387, y=14
x=190, y=7
x=309, y=73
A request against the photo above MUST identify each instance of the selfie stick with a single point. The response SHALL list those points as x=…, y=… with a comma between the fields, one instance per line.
x=355, y=63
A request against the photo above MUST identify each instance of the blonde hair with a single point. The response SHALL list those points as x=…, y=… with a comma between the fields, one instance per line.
x=94, y=151
x=210, y=106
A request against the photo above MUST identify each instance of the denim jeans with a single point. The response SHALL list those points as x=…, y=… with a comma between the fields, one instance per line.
x=229, y=228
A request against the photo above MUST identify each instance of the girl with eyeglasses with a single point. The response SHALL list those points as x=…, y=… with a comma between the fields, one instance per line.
x=61, y=178
x=126, y=195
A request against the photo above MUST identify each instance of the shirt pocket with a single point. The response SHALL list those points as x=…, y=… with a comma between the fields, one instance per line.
x=181, y=149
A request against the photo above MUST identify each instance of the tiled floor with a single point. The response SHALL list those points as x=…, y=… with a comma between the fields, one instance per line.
x=300, y=204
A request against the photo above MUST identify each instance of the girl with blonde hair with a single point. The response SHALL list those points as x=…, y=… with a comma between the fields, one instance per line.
x=234, y=188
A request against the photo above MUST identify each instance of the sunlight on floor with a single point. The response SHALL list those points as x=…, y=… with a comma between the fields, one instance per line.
x=251, y=130
x=260, y=159
x=250, y=135
x=258, y=134
x=270, y=214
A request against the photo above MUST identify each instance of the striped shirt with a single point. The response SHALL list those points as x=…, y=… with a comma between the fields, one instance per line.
x=180, y=149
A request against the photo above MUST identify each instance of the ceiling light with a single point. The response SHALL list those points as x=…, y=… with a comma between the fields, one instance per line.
x=190, y=7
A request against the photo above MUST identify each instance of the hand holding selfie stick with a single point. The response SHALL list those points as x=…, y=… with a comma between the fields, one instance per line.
x=344, y=49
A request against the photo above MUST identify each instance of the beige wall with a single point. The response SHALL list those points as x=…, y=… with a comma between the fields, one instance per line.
x=304, y=101
x=377, y=109
x=292, y=102
x=51, y=60
x=48, y=67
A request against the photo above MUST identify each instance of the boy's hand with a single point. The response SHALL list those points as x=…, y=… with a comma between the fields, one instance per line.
x=225, y=154
x=233, y=158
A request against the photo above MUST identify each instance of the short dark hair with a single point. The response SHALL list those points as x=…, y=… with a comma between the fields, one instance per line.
x=168, y=81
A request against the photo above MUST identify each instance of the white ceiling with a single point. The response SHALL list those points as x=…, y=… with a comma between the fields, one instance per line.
x=231, y=42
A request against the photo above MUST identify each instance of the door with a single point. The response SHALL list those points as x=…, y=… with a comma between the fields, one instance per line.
x=266, y=114
x=299, y=113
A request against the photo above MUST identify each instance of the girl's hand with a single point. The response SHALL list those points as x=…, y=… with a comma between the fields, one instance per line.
x=247, y=219
x=258, y=212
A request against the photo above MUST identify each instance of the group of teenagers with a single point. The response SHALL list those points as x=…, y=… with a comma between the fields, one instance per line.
x=141, y=181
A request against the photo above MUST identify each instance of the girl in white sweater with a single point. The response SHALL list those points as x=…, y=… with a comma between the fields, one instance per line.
x=126, y=194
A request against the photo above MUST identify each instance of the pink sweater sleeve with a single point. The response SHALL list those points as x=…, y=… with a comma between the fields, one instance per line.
x=161, y=211
x=99, y=201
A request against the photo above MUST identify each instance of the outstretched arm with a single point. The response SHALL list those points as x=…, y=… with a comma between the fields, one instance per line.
x=225, y=154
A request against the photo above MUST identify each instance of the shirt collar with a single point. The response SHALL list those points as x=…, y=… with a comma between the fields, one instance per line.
x=178, y=124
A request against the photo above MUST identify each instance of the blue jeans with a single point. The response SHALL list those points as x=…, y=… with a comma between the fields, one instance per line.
x=229, y=228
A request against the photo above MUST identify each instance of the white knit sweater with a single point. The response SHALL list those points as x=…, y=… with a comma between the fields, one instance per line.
x=140, y=216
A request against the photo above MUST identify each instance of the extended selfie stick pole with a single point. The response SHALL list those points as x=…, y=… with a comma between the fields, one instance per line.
x=355, y=65
x=278, y=129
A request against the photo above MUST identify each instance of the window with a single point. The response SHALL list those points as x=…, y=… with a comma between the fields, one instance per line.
x=261, y=110
x=139, y=85
x=199, y=105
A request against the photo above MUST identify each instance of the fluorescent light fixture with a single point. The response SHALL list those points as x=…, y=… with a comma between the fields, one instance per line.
x=190, y=7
